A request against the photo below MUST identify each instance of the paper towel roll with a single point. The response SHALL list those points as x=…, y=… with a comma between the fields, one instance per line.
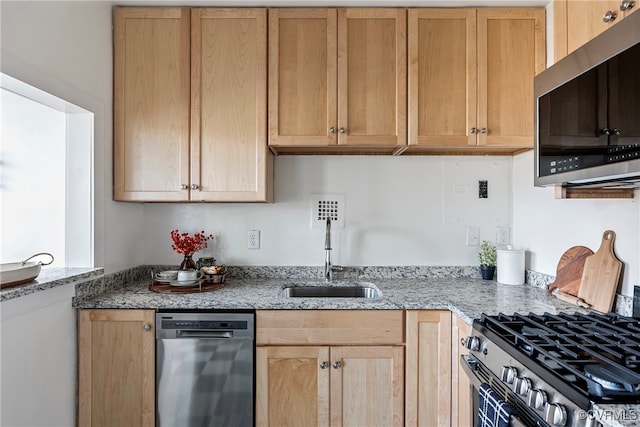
x=510, y=266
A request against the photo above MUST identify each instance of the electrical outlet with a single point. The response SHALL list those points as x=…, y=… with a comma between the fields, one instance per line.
x=253, y=239
x=502, y=236
x=473, y=236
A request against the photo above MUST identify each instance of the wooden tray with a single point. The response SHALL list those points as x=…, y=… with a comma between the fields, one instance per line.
x=165, y=288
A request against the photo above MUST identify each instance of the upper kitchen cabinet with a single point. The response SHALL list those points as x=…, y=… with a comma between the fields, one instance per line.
x=151, y=104
x=471, y=79
x=578, y=21
x=190, y=105
x=337, y=80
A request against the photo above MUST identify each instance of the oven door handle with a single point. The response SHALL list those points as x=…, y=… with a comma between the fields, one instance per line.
x=469, y=366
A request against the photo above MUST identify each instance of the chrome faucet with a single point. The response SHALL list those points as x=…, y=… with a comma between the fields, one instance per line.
x=328, y=268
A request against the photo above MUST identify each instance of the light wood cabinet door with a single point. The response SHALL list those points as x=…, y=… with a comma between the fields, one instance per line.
x=367, y=386
x=428, y=368
x=461, y=392
x=292, y=388
x=576, y=22
x=229, y=154
x=511, y=51
x=151, y=104
x=471, y=78
x=372, y=77
x=303, y=77
x=116, y=374
x=585, y=20
x=442, y=77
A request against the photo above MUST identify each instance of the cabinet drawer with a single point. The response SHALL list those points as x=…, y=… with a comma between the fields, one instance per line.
x=350, y=327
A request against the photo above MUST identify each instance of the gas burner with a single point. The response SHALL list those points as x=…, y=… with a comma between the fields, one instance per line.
x=612, y=380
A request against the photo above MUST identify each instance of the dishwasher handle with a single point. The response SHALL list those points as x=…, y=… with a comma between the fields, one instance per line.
x=204, y=334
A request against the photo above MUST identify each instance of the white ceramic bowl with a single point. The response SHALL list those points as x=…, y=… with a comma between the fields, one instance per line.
x=15, y=273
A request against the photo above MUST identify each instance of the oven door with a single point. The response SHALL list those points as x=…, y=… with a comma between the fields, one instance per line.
x=478, y=374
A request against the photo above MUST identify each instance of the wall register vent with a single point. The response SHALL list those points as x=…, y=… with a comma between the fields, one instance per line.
x=325, y=206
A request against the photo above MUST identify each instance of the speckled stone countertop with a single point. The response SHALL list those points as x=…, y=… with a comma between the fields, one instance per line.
x=458, y=289
x=467, y=297
x=51, y=277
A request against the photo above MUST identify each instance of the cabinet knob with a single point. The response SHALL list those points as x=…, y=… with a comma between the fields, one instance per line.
x=194, y=186
x=343, y=130
x=184, y=186
x=146, y=328
x=626, y=5
x=616, y=131
x=609, y=16
x=324, y=365
x=473, y=130
x=484, y=130
x=337, y=365
x=332, y=130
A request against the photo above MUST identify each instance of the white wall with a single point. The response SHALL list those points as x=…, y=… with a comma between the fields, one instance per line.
x=399, y=211
x=546, y=226
x=65, y=48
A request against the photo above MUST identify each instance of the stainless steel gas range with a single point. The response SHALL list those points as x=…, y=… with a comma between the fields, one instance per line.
x=553, y=368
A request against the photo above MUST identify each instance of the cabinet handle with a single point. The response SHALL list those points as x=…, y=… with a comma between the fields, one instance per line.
x=616, y=131
x=184, y=186
x=337, y=365
x=626, y=5
x=146, y=328
x=324, y=365
x=343, y=130
x=473, y=130
x=484, y=130
x=194, y=186
x=609, y=16
x=332, y=130
x=605, y=131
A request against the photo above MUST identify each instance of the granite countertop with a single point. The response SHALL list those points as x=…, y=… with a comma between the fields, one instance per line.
x=51, y=277
x=411, y=288
x=466, y=297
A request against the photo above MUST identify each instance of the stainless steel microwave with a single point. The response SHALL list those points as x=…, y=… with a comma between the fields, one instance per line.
x=588, y=112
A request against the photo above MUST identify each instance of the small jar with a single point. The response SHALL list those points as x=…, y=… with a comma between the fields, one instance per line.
x=206, y=262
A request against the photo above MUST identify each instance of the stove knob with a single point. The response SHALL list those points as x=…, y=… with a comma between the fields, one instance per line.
x=472, y=343
x=508, y=374
x=521, y=386
x=537, y=399
x=555, y=414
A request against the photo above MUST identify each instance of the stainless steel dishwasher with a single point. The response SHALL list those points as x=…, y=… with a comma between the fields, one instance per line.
x=204, y=370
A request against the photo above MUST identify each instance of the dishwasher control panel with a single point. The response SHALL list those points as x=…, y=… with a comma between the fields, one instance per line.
x=239, y=325
x=203, y=324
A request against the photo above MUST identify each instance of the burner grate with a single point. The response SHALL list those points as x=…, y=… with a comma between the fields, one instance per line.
x=578, y=349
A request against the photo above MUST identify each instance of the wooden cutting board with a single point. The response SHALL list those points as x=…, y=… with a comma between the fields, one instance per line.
x=601, y=275
x=569, y=270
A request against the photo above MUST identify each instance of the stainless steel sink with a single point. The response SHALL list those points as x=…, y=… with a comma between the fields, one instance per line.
x=330, y=292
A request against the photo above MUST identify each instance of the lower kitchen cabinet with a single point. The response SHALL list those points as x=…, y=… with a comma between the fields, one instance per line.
x=322, y=368
x=116, y=372
x=428, y=368
x=461, y=392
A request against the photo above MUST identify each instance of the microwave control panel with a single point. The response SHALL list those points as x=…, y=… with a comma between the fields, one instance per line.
x=554, y=164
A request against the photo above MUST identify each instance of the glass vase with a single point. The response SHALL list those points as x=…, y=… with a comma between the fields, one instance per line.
x=188, y=263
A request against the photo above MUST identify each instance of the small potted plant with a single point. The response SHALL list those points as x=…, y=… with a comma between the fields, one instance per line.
x=487, y=257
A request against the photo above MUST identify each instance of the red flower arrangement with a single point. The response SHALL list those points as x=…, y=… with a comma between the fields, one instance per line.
x=184, y=244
